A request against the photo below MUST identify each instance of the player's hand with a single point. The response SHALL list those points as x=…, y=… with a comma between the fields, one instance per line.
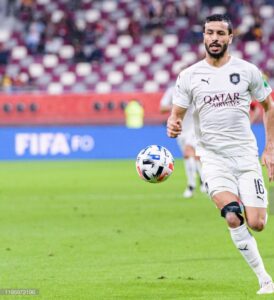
x=174, y=127
x=268, y=161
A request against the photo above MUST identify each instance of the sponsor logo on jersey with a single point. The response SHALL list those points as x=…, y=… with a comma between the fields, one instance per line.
x=235, y=78
x=205, y=80
x=224, y=99
x=58, y=143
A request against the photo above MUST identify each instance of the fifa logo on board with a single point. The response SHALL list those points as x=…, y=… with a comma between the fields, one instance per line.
x=53, y=144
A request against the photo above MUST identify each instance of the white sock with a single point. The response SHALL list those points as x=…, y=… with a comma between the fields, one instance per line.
x=190, y=167
x=199, y=169
x=243, y=239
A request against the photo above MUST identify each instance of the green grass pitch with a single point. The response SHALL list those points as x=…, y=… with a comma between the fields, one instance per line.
x=93, y=230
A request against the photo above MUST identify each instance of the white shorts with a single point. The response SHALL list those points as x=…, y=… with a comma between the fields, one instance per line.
x=187, y=138
x=241, y=176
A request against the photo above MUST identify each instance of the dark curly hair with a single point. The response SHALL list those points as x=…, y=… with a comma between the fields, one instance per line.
x=219, y=17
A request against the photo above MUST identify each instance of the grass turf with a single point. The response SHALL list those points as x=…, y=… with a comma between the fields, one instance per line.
x=94, y=230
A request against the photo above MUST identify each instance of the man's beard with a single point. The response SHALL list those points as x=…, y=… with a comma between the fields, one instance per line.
x=216, y=55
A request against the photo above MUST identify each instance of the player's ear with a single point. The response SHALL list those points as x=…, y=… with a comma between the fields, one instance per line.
x=230, y=38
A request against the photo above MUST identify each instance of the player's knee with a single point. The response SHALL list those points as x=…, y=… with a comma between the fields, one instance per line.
x=232, y=220
x=233, y=214
x=257, y=225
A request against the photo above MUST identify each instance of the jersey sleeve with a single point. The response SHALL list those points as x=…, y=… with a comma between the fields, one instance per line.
x=259, y=88
x=182, y=94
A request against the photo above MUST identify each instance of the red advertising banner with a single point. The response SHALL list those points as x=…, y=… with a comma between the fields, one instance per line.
x=42, y=109
x=35, y=109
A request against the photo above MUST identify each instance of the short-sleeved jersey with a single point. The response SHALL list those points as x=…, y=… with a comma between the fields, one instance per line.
x=221, y=98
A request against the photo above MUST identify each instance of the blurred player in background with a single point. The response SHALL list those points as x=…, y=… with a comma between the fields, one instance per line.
x=187, y=143
x=221, y=88
x=255, y=112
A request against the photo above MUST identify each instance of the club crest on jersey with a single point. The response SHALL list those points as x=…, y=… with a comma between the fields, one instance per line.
x=235, y=78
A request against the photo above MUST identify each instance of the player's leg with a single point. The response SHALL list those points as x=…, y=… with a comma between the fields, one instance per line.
x=190, y=169
x=256, y=217
x=254, y=197
x=253, y=193
x=231, y=210
x=223, y=187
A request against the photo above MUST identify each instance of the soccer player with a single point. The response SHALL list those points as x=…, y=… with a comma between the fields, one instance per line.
x=221, y=88
x=187, y=143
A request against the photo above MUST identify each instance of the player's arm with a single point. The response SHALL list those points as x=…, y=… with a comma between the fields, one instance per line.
x=268, y=154
x=174, y=122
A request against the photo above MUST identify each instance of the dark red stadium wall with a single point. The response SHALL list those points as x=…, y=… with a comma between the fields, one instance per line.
x=30, y=109
x=76, y=108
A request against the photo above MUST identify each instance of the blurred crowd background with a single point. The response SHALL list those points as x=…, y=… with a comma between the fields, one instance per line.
x=78, y=46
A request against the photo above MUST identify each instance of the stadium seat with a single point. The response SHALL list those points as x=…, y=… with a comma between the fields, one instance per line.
x=151, y=86
x=83, y=69
x=124, y=41
x=266, y=11
x=218, y=10
x=4, y=35
x=55, y=88
x=252, y=47
x=120, y=60
x=92, y=15
x=115, y=77
x=189, y=57
x=143, y=59
x=122, y=24
x=36, y=70
x=44, y=80
x=91, y=79
x=50, y=61
x=237, y=53
x=12, y=70
x=102, y=87
x=57, y=16
x=53, y=45
x=127, y=87
x=159, y=50
x=68, y=78
x=162, y=77
x=248, y=20
x=131, y=68
x=60, y=69
x=106, y=69
x=112, y=51
x=79, y=87
x=43, y=2
x=167, y=59
x=19, y=52
x=109, y=6
x=177, y=66
x=66, y=52
x=147, y=41
x=139, y=78
x=170, y=40
x=24, y=63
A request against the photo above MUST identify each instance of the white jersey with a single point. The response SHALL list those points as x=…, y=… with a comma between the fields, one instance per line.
x=221, y=98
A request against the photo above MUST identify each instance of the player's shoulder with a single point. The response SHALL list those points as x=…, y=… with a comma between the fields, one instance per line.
x=241, y=63
x=189, y=71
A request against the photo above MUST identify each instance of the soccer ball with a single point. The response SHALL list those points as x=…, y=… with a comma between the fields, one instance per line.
x=154, y=164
